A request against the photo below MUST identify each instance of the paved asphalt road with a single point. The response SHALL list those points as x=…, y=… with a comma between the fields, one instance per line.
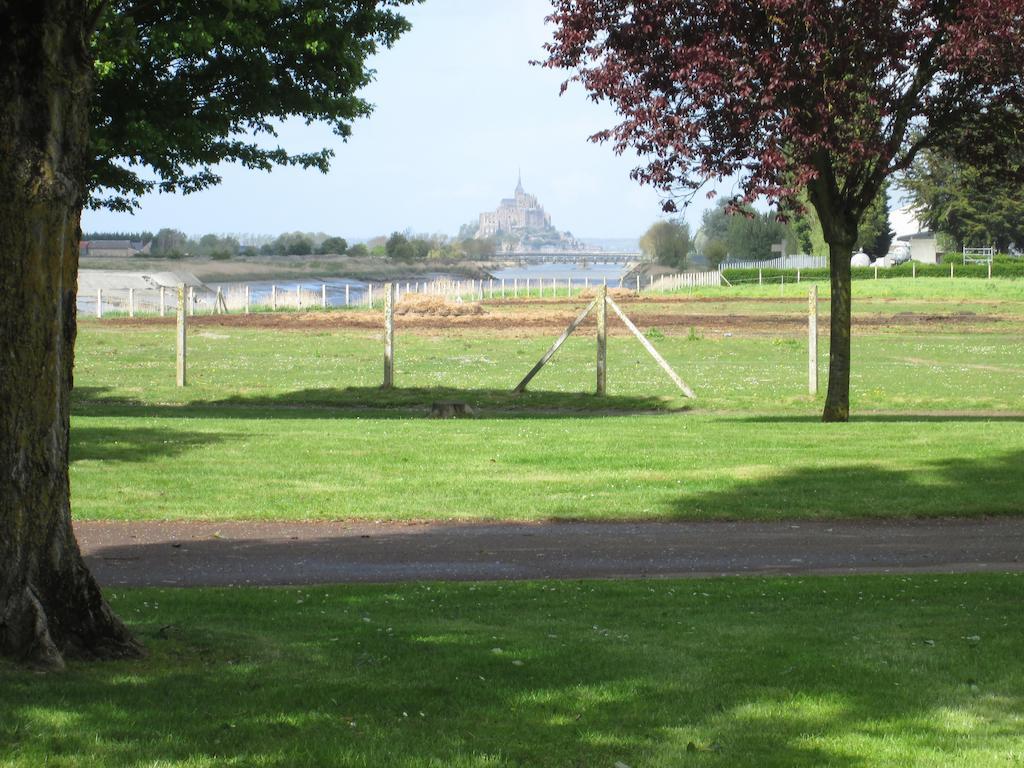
x=184, y=554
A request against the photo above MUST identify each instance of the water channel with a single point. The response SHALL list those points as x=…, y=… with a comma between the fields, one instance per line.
x=340, y=291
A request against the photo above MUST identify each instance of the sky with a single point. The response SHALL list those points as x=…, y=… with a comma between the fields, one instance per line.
x=459, y=111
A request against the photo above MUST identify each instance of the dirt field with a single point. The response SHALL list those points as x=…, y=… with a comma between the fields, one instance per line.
x=547, y=317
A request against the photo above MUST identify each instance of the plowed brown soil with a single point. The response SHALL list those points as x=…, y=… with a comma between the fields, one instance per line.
x=553, y=318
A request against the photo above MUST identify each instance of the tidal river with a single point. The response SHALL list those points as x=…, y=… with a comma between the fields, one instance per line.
x=340, y=290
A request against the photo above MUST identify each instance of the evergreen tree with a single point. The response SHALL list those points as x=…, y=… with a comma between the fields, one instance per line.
x=972, y=206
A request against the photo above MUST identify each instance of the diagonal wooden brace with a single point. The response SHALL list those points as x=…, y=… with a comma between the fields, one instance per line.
x=554, y=347
x=650, y=348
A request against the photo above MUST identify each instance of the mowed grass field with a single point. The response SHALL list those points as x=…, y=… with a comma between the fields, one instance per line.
x=286, y=421
x=878, y=671
x=289, y=422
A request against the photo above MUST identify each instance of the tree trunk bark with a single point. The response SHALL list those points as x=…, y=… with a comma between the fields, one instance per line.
x=50, y=605
x=837, y=399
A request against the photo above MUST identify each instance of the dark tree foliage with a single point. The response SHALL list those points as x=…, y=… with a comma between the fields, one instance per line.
x=333, y=246
x=874, y=235
x=183, y=85
x=834, y=96
x=135, y=237
x=975, y=206
x=745, y=233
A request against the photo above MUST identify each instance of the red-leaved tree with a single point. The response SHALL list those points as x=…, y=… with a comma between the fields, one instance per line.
x=831, y=96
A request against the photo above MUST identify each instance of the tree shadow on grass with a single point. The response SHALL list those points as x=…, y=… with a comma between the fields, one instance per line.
x=398, y=403
x=948, y=487
x=134, y=444
x=751, y=673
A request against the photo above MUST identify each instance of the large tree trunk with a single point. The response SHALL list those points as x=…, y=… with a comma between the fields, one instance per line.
x=837, y=400
x=50, y=606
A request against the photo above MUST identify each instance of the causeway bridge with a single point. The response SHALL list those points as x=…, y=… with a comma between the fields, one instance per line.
x=571, y=257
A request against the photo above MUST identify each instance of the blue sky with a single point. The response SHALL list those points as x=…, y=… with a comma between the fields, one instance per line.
x=458, y=111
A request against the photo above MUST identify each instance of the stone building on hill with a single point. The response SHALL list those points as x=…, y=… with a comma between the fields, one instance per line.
x=514, y=215
x=521, y=224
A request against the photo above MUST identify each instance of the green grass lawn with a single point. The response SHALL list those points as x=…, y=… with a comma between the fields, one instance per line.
x=866, y=671
x=252, y=463
x=291, y=425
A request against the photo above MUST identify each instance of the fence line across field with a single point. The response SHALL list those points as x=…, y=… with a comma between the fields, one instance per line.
x=244, y=298
x=795, y=261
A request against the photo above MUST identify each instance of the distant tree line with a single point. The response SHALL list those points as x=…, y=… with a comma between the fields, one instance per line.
x=399, y=246
x=135, y=237
x=965, y=205
x=404, y=246
x=740, y=232
x=175, y=244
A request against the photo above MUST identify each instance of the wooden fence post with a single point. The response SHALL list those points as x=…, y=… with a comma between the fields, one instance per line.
x=247, y=299
x=99, y=303
x=760, y=279
x=191, y=301
x=323, y=295
x=389, y=335
x=346, y=294
x=369, y=295
x=990, y=269
x=913, y=269
x=602, y=339
x=163, y=301
x=812, y=340
x=273, y=297
x=951, y=270
x=182, y=314
x=298, y=297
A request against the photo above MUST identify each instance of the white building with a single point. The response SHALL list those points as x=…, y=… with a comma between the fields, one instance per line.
x=924, y=246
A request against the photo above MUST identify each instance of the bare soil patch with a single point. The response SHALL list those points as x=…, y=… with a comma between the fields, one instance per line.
x=419, y=305
x=535, y=320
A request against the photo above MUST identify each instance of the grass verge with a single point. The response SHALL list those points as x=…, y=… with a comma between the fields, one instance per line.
x=879, y=671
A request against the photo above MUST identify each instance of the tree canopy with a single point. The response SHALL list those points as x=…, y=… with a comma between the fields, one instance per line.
x=667, y=242
x=974, y=205
x=183, y=85
x=831, y=96
x=745, y=234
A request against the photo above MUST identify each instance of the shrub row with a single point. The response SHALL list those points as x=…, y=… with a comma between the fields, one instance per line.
x=999, y=269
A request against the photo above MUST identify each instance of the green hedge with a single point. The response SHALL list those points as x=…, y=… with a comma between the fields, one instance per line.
x=1000, y=268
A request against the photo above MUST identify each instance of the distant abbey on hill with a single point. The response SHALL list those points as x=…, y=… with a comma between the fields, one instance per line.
x=521, y=223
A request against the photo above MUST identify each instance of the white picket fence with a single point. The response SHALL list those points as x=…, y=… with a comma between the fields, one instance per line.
x=796, y=261
x=686, y=280
x=243, y=299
